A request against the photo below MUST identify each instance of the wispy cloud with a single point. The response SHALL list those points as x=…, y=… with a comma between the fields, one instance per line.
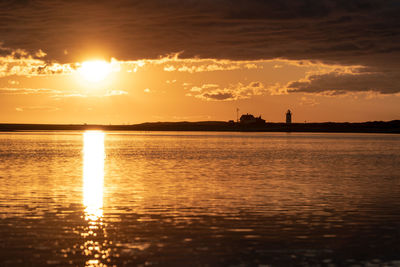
x=13, y=82
x=308, y=101
x=115, y=93
x=58, y=94
x=37, y=108
x=212, y=92
x=207, y=65
x=68, y=95
x=108, y=93
x=27, y=91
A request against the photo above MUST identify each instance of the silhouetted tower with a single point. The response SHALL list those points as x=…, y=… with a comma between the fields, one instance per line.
x=288, y=116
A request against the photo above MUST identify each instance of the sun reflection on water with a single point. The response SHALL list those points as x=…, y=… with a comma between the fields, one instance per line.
x=93, y=173
x=95, y=245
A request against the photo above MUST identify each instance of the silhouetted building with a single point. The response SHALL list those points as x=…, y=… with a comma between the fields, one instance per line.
x=288, y=116
x=250, y=119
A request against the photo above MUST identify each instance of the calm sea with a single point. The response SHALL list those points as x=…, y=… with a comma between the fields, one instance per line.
x=197, y=199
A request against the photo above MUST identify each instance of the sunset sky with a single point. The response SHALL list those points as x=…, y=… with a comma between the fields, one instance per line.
x=184, y=60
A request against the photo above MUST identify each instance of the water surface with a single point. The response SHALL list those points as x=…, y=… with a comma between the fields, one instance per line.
x=195, y=199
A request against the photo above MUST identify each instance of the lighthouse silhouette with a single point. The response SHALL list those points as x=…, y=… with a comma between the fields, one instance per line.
x=288, y=117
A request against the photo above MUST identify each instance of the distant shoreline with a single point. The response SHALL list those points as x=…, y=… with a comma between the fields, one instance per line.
x=329, y=127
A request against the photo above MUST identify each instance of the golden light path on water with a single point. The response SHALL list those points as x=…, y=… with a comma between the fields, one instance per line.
x=93, y=182
x=93, y=173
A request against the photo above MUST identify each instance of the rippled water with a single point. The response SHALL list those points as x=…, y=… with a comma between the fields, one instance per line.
x=189, y=199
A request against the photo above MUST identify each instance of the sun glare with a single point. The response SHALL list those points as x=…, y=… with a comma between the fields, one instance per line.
x=95, y=71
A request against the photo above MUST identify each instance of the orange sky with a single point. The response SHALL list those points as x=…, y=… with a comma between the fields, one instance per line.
x=173, y=89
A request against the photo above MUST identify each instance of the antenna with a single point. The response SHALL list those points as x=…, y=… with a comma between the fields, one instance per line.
x=237, y=114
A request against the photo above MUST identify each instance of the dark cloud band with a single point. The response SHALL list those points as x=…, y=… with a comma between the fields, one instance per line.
x=342, y=31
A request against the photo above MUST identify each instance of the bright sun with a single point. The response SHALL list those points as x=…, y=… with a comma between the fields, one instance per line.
x=95, y=71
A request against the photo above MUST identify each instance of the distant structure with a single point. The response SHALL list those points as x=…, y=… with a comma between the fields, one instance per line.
x=288, y=117
x=250, y=119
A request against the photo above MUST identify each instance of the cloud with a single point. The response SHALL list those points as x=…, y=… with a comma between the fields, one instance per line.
x=68, y=95
x=169, y=68
x=217, y=95
x=232, y=92
x=58, y=94
x=13, y=82
x=27, y=91
x=97, y=94
x=20, y=62
x=209, y=65
x=308, y=101
x=37, y=108
x=173, y=62
x=115, y=93
x=339, y=83
x=40, y=54
x=277, y=89
x=204, y=87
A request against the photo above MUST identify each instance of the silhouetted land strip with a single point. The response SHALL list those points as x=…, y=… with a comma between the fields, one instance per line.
x=363, y=127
